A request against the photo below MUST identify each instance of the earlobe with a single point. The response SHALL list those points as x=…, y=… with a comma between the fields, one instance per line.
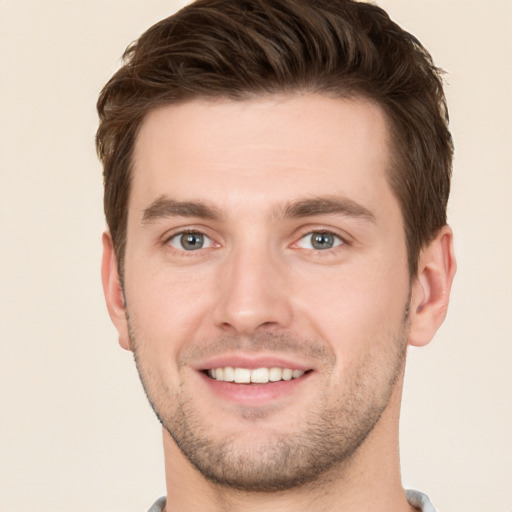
x=113, y=291
x=431, y=289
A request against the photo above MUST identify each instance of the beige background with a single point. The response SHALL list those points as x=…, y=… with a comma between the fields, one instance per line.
x=75, y=430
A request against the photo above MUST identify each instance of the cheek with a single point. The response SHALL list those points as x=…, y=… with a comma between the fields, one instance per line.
x=166, y=307
x=354, y=309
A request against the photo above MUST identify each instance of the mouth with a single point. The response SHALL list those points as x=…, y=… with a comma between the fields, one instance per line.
x=255, y=381
x=263, y=375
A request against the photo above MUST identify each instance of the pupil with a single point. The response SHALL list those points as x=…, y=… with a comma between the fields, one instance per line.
x=192, y=241
x=323, y=241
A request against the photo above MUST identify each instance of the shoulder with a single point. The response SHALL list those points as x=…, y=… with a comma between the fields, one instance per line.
x=419, y=500
x=158, y=506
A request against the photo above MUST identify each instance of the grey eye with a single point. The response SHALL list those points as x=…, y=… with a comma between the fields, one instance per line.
x=190, y=241
x=320, y=240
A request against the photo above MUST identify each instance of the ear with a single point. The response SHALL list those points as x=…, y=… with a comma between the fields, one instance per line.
x=113, y=291
x=431, y=289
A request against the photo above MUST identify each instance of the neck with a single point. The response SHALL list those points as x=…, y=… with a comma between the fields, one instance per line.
x=369, y=480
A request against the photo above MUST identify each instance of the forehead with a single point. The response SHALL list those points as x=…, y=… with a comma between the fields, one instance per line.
x=263, y=150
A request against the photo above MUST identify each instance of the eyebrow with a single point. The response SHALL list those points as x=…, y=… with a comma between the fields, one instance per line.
x=326, y=205
x=165, y=207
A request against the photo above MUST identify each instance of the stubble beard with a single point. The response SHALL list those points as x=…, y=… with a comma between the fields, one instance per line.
x=294, y=457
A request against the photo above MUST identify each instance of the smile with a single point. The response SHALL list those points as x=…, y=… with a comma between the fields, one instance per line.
x=256, y=375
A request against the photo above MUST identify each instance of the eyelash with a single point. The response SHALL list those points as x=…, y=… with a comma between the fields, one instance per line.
x=322, y=231
x=310, y=233
x=179, y=234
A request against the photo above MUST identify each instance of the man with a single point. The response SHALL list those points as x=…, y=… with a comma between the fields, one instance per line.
x=276, y=180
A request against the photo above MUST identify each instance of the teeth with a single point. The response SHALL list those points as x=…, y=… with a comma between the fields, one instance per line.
x=287, y=374
x=242, y=376
x=275, y=374
x=257, y=376
x=229, y=374
x=260, y=375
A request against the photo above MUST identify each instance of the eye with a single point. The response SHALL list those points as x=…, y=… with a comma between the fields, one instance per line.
x=190, y=241
x=320, y=241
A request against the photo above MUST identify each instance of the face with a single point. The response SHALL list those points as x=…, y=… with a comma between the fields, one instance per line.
x=266, y=283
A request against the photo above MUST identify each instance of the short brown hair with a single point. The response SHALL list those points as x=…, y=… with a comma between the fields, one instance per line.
x=240, y=48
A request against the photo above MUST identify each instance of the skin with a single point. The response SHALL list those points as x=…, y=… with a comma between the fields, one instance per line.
x=257, y=178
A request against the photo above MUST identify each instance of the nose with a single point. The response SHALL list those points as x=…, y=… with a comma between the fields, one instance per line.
x=252, y=293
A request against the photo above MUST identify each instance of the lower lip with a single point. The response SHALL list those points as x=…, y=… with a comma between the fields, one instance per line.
x=254, y=394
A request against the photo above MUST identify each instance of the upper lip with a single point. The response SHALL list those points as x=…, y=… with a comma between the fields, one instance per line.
x=252, y=362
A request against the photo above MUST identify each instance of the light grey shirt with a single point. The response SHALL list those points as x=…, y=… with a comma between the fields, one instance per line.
x=419, y=500
x=415, y=498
